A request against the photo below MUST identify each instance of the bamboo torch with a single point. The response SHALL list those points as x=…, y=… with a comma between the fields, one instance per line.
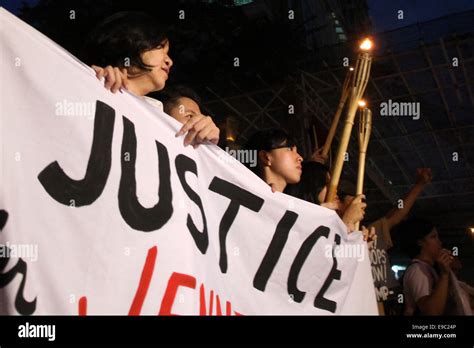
x=346, y=89
x=365, y=128
x=358, y=85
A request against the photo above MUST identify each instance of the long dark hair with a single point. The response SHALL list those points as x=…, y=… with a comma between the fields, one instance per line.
x=313, y=180
x=124, y=35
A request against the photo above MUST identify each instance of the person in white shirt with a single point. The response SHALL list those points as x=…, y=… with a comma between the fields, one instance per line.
x=426, y=281
x=130, y=50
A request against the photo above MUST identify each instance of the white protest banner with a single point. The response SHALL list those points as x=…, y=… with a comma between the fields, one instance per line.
x=104, y=211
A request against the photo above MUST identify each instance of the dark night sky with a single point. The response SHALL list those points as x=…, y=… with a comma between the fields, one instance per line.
x=382, y=12
x=14, y=5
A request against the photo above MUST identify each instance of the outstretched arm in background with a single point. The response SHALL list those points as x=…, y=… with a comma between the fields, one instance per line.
x=395, y=216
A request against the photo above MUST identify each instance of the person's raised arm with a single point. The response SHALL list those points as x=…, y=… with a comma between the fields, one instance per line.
x=395, y=216
x=355, y=212
x=317, y=156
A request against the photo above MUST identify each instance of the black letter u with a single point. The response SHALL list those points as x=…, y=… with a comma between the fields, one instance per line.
x=134, y=214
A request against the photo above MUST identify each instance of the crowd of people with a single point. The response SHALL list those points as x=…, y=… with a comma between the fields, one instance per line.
x=131, y=51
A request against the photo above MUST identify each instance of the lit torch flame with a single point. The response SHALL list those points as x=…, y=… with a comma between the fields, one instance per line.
x=366, y=45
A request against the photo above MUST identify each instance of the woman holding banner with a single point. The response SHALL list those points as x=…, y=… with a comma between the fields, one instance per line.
x=134, y=50
x=280, y=166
